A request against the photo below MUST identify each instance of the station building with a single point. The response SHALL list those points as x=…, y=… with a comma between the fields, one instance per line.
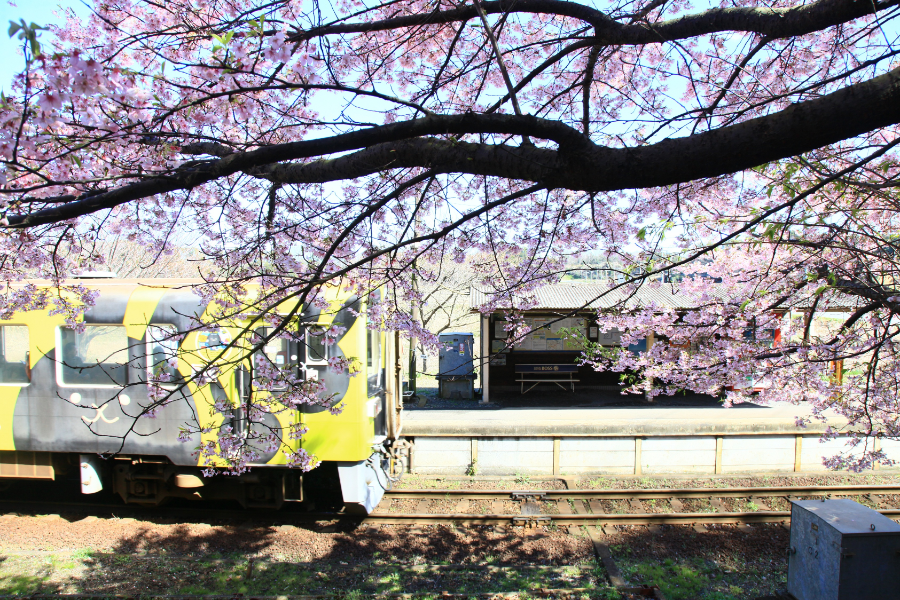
x=554, y=308
x=595, y=430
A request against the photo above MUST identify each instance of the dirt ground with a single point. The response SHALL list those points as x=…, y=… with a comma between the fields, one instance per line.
x=78, y=553
x=52, y=555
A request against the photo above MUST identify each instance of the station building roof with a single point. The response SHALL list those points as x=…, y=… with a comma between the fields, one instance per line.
x=601, y=295
x=594, y=296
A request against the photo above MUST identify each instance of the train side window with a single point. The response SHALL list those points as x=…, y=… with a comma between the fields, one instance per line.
x=97, y=357
x=162, y=355
x=14, y=362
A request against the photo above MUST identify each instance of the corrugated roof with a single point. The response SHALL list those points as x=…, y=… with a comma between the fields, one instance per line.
x=597, y=295
x=568, y=296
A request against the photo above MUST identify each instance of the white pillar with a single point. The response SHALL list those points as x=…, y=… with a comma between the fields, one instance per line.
x=485, y=357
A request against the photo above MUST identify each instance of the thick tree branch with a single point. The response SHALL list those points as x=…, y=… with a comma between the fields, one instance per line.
x=578, y=164
x=799, y=128
x=774, y=23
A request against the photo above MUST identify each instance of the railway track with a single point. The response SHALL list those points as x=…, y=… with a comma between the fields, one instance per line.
x=592, y=507
x=510, y=507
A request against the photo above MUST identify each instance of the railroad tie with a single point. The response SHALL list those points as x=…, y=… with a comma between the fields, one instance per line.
x=597, y=509
x=717, y=504
x=637, y=507
x=677, y=505
x=462, y=506
x=423, y=506
x=758, y=502
x=497, y=507
x=700, y=528
x=579, y=507
x=876, y=499
x=605, y=556
x=562, y=506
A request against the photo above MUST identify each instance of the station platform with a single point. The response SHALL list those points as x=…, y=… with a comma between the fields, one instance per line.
x=744, y=419
x=603, y=439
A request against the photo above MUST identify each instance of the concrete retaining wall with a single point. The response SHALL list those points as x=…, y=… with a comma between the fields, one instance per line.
x=443, y=454
x=678, y=455
x=508, y=455
x=596, y=455
x=527, y=456
x=814, y=451
x=758, y=454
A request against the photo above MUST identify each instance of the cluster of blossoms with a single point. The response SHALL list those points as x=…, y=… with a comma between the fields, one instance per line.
x=378, y=146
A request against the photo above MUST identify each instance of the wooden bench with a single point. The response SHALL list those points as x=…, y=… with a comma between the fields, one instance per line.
x=538, y=374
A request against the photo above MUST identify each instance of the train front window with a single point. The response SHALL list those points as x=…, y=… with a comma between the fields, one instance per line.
x=162, y=355
x=96, y=357
x=14, y=367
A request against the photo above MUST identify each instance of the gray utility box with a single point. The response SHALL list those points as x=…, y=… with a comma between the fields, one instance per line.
x=842, y=550
x=456, y=367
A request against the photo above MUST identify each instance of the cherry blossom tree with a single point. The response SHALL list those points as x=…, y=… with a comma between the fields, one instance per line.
x=749, y=146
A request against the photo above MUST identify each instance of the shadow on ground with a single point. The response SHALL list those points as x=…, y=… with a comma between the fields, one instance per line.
x=725, y=563
x=151, y=559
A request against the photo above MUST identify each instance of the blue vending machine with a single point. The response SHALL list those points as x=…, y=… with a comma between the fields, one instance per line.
x=456, y=366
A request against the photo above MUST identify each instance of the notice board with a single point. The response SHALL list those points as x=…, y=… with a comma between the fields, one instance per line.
x=546, y=334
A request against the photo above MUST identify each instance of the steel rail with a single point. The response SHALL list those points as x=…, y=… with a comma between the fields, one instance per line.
x=646, y=494
x=588, y=519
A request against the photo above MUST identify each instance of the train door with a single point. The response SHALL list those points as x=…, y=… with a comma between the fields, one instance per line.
x=15, y=374
x=375, y=379
x=313, y=356
x=267, y=364
x=96, y=369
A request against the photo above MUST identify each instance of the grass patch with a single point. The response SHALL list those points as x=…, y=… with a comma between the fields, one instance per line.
x=18, y=585
x=109, y=573
x=676, y=581
x=194, y=589
x=697, y=578
x=83, y=554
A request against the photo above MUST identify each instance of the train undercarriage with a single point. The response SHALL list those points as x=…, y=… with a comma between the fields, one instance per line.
x=354, y=487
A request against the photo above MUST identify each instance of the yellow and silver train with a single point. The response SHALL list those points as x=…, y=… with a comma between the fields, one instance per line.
x=60, y=412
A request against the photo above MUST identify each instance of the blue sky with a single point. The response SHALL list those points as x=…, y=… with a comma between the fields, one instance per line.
x=37, y=11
